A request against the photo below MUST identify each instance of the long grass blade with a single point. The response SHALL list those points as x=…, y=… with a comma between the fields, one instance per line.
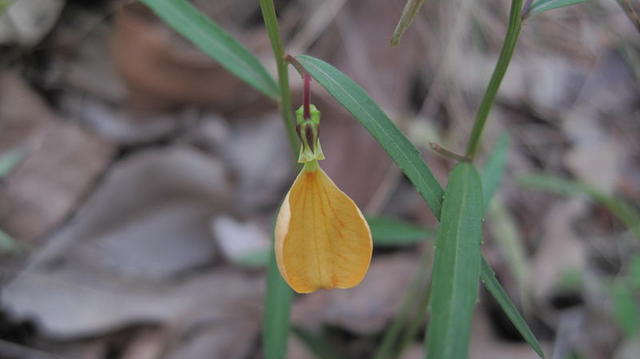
x=215, y=42
x=546, y=5
x=626, y=213
x=409, y=12
x=456, y=268
x=402, y=152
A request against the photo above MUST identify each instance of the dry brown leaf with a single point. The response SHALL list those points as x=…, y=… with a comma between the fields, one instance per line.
x=62, y=162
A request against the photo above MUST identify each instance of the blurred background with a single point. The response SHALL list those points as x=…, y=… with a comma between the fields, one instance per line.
x=140, y=179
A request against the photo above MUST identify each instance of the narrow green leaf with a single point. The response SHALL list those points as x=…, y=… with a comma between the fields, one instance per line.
x=316, y=344
x=393, y=232
x=456, y=268
x=275, y=326
x=362, y=107
x=494, y=169
x=493, y=286
x=9, y=161
x=215, y=42
x=545, y=5
x=626, y=213
x=553, y=184
x=409, y=12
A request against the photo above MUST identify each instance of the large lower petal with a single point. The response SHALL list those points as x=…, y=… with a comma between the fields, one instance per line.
x=322, y=239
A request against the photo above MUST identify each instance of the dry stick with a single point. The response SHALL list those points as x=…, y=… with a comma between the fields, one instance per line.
x=446, y=153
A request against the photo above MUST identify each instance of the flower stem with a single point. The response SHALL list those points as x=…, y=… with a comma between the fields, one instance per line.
x=296, y=64
x=271, y=23
x=306, y=101
x=509, y=45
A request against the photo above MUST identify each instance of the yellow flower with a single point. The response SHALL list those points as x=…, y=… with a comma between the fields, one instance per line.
x=322, y=241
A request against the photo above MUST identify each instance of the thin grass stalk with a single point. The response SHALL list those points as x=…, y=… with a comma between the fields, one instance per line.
x=273, y=30
x=506, y=53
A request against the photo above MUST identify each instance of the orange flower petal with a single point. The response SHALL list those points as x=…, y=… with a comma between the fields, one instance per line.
x=322, y=239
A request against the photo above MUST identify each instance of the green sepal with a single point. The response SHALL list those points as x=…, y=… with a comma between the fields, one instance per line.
x=308, y=130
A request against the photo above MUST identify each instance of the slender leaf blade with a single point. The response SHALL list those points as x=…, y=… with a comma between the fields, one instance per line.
x=456, y=269
x=402, y=152
x=393, y=232
x=494, y=169
x=493, y=286
x=215, y=42
x=546, y=5
x=553, y=184
x=626, y=213
x=409, y=12
x=275, y=326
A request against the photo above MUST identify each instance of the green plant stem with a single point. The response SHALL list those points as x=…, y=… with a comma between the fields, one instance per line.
x=271, y=23
x=509, y=45
x=277, y=310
